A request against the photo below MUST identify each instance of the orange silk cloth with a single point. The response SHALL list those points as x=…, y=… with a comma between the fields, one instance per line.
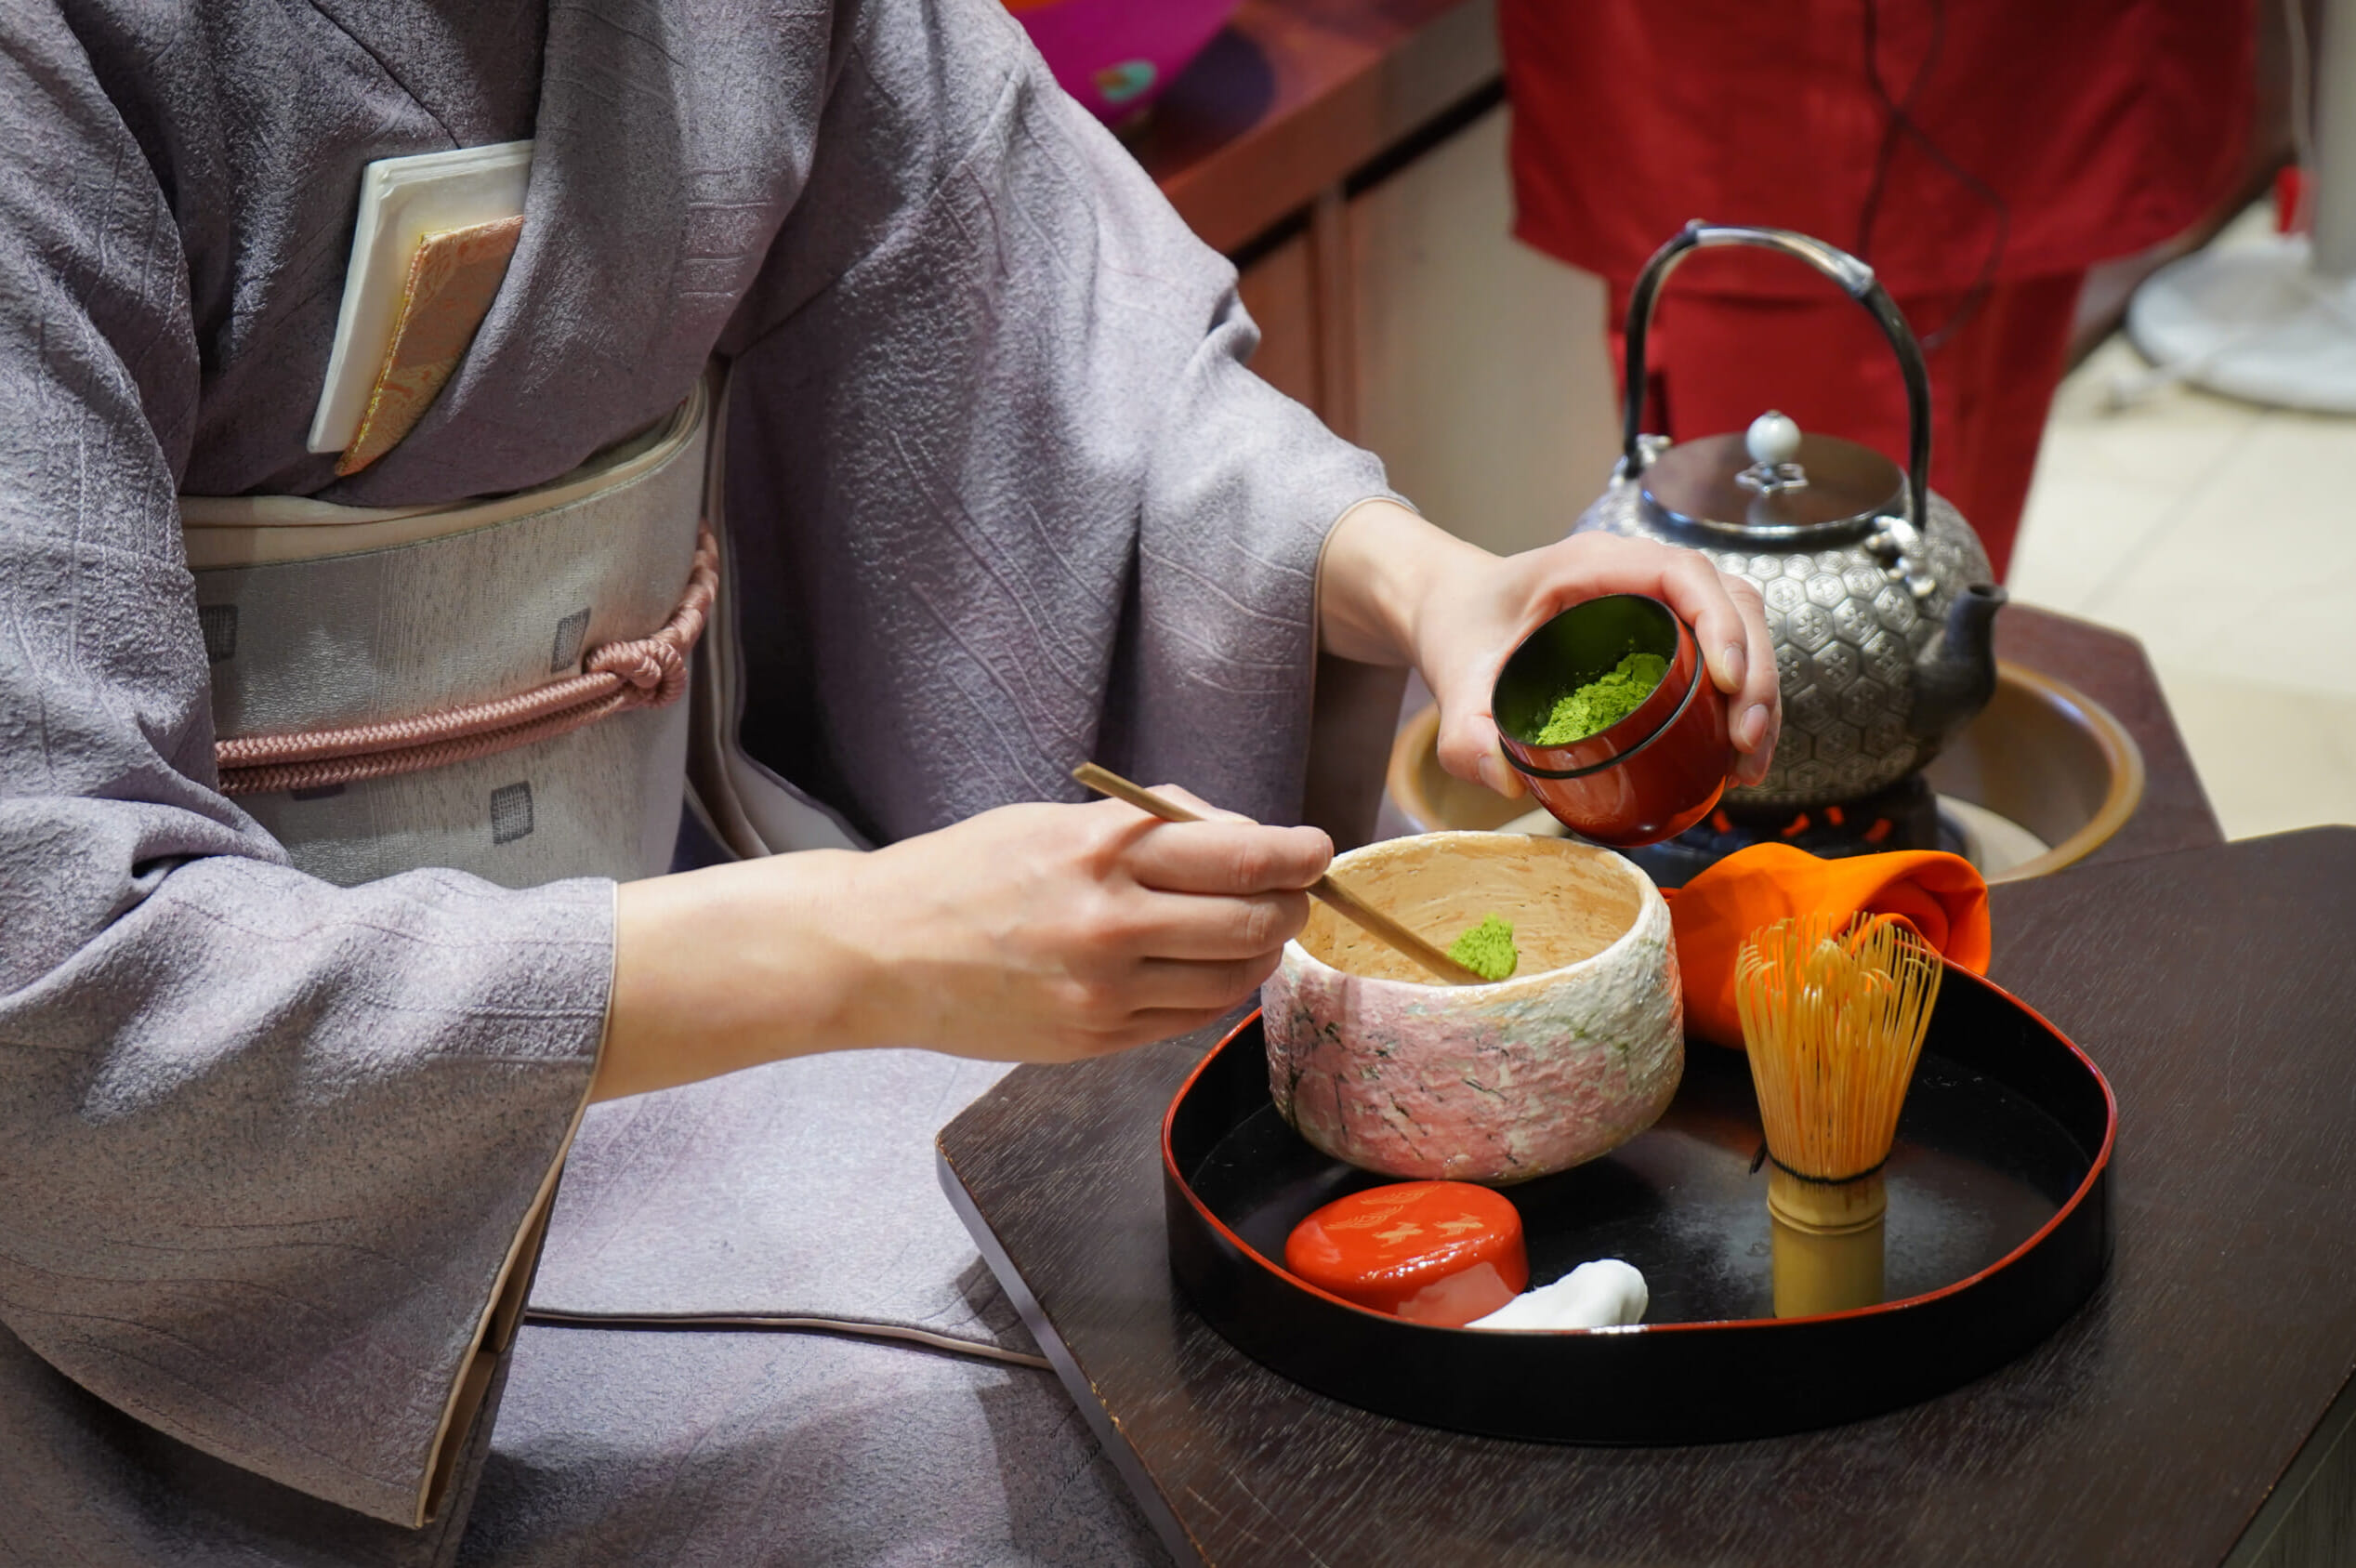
x=1941, y=894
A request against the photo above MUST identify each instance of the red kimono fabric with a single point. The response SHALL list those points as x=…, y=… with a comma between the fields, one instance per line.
x=1980, y=157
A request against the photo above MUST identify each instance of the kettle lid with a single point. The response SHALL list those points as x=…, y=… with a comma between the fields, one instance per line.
x=1772, y=482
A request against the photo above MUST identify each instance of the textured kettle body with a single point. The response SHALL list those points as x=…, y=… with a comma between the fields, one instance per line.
x=1854, y=641
x=1878, y=595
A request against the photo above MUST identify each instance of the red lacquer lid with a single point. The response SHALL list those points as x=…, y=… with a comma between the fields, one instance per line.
x=1435, y=1252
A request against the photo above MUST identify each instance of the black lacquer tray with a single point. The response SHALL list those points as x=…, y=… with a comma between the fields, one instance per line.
x=1999, y=1228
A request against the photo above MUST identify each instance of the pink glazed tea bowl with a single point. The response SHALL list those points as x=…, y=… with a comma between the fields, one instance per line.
x=1576, y=1052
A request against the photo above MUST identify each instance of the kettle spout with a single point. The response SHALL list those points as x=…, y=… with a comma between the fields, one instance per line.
x=1956, y=672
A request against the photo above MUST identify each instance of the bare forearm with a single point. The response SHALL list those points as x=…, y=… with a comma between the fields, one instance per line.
x=1378, y=564
x=729, y=967
x=1027, y=933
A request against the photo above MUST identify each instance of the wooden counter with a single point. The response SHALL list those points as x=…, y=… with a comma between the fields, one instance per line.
x=2190, y=1415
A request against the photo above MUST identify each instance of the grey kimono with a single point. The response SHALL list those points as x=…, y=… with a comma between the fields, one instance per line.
x=1001, y=496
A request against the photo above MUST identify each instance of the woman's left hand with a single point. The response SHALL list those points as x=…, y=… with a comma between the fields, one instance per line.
x=1393, y=588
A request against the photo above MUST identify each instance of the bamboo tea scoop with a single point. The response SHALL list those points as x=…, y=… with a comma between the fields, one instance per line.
x=1340, y=900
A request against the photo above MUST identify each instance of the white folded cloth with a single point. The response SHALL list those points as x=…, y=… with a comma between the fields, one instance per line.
x=1604, y=1294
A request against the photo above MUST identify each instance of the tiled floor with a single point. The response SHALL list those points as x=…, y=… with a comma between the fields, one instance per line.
x=2224, y=536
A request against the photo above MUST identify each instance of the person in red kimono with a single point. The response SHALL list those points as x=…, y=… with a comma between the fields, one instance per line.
x=1979, y=157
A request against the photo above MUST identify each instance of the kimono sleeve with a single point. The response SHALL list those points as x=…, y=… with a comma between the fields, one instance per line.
x=268, y=1147
x=1029, y=494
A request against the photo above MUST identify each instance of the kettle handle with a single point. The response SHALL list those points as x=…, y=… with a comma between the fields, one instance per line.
x=1837, y=264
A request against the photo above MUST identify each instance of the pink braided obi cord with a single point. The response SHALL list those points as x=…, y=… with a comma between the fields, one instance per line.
x=642, y=672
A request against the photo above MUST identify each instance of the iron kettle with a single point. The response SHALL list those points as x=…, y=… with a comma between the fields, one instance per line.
x=1879, y=594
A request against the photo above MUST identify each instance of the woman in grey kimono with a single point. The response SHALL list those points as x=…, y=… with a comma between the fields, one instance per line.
x=276, y=1154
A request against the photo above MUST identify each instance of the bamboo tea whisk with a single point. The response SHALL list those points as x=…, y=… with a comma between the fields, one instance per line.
x=1834, y=1014
x=1833, y=1018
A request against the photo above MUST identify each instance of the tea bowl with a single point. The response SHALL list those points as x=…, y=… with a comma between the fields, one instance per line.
x=1574, y=1053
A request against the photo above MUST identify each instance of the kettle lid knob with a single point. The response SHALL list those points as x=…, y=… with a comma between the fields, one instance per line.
x=1772, y=440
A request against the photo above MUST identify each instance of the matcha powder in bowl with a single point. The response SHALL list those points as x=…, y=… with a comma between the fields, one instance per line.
x=1591, y=708
x=1487, y=950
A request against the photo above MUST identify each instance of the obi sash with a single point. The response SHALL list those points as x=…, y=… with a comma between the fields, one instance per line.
x=326, y=624
x=492, y=686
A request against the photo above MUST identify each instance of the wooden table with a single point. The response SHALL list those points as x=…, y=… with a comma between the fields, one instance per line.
x=2191, y=1414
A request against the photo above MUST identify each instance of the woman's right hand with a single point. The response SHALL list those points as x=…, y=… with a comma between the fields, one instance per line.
x=1034, y=933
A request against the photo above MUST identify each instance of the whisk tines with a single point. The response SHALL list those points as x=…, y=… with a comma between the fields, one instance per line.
x=1834, y=1014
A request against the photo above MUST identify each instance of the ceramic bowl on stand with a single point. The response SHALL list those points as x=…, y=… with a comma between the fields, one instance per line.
x=1573, y=1054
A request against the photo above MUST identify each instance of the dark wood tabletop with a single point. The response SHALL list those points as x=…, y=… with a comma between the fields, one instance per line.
x=2216, y=989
